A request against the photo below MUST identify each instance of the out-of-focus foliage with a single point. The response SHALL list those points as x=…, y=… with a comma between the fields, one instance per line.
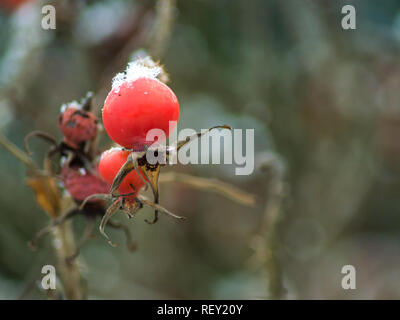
x=324, y=104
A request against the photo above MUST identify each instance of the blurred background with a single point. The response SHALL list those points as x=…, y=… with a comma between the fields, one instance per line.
x=324, y=103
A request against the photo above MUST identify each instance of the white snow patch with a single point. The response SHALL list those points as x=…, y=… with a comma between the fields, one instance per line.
x=112, y=150
x=74, y=104
x=141, y=68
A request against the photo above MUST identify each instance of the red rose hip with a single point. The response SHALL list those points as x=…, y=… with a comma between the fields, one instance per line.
x=110, y=162
x=134, y=107
x=81, y=184
x=77, y=125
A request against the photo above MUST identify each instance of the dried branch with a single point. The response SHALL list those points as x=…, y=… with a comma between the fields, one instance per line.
x=16, y=152
x=222, y=188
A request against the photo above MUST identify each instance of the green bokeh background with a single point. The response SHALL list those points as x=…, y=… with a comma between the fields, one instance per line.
x=324, y=103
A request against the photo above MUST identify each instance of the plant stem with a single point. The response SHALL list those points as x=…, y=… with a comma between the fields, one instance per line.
x=267, y=243
x=16, y=152
x=271, y=231
x=65, y=248
x=229, y=191
x=64, y=242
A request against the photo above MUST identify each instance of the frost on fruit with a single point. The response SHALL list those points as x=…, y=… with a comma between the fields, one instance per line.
x=73, y=104
x=140, y=68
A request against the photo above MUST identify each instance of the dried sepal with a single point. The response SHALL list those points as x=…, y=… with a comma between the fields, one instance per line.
x=129, y=165
x=130, y=243
x=129, y=203
x=101, y=196
x=130, y=206
x=152, y=171
x=39, y=134
x=145, y=201
x=111, y=210
x=87, y=102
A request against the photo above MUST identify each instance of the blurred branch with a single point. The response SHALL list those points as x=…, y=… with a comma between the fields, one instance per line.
x=17, y=153
x=64, y=244
x=21, y=60
x=50, y=200
x=270, y=229
x=213, y=185
x=162, y=27
x=267, y=242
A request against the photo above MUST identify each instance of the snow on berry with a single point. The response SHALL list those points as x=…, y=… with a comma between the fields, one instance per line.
x=137, y=103
x=141, y=68
x=77, y=125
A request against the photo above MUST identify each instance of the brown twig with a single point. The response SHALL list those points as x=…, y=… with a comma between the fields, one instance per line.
x=65, y=247
x=213, y=185
x=270, y=230
x=17, y=153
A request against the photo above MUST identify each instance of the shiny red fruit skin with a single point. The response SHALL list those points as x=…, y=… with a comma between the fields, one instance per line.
x=136, y=107
x=77, y=126
x=110, y=163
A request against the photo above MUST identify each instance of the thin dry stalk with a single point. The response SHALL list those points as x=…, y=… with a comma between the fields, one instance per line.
x=65, y=247
x=213, y=185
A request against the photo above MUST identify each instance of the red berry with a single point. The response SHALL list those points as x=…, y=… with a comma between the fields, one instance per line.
x=77, y=125
x=80, y=183
x=137, y=106
x=110, y=162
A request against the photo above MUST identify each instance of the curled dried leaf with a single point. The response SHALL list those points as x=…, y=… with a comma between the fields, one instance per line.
x=47, y=193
